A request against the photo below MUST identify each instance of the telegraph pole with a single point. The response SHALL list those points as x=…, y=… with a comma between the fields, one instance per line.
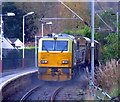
x=92, y=40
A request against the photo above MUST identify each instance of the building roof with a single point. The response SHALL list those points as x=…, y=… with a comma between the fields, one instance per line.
x=18, y=43
x=12, y=40
x=6, y=44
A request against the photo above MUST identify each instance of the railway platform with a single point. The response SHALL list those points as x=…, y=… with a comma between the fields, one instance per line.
x=5, y=77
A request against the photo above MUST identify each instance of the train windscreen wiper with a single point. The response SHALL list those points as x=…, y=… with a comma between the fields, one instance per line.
x=45, y=48
x=64, y=48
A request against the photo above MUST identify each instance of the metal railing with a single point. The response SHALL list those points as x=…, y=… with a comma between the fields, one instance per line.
x=94, y=91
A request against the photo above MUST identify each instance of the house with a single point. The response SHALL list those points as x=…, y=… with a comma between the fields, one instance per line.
x=16, y=43
x=6, y=46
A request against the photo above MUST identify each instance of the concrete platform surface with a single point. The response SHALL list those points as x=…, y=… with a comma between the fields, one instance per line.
x=6, y=77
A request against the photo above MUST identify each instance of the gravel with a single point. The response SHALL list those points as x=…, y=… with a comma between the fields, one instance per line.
x=74, y=90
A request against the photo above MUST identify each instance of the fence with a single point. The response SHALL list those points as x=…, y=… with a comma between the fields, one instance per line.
x=12, y=59
x=96, y=91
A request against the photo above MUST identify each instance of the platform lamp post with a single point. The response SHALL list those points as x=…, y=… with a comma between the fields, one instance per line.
x=1, y=25
x=30, y=13
x=49, y=23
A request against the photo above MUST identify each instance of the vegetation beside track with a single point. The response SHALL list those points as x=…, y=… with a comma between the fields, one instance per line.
x=107, y=77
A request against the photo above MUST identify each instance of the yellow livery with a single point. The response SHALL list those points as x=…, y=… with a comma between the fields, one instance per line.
x=60, y=55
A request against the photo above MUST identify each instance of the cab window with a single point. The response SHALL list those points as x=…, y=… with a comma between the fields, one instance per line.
x=53, y=45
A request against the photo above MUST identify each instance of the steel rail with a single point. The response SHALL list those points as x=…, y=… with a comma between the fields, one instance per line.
x=29, y=93
x=53, y=96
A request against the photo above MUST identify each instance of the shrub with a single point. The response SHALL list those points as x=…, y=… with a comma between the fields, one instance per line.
x=107, y=76
x=110, y=50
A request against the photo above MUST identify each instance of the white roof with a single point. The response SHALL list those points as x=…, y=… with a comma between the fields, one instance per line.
x=6, y=44
x=18, y=43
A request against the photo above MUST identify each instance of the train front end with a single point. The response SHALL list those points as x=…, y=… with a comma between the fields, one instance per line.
x=55, y=58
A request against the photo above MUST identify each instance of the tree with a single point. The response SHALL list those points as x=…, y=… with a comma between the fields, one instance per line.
x=110, y=50
x=78, y=7
x=87, y=33
x=32, y=23
x=111, y=22
x=12, y=25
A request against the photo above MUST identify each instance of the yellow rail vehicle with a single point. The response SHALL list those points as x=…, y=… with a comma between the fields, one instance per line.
x=60, y=55
x=55, y=57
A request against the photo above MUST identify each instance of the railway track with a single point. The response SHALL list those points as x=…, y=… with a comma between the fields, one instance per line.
x=52, y=93
x=29, y=93
x=53, y=96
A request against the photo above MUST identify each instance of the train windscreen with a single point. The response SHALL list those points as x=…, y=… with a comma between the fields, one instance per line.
x=53, y=45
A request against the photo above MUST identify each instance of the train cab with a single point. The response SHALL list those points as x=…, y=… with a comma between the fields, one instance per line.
x=62, y=56
x=55, y=57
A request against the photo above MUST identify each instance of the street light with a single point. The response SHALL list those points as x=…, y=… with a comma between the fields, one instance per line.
x=49, y=23
x=30, y=13
x=8, y=14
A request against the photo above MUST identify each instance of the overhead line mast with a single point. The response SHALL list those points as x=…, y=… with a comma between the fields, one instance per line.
x=85, y=21
x=105, y=23
x=57, y=18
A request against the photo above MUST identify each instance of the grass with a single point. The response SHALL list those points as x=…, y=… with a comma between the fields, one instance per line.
x=107, y=77
x=30, y=47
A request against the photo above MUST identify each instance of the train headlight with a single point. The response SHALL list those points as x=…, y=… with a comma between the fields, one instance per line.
x=65, y=62
x=44, y=61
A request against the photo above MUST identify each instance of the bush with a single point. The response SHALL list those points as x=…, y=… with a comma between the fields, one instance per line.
x=87, y=33
x=110, y=50
x=68, y=32
x=107, y=77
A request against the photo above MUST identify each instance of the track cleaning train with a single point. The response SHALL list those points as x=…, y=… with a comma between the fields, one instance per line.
x=59, y=56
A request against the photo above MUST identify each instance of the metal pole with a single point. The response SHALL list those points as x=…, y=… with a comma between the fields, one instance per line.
x=35, y=51
x=105, y=23
x=117, y=22
x=23, y=41
x=92, y=40
x=1, y=45
x=1, y=69
x=42, y=29
x=57, y=19
x=50, y=29
x=30, y=13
